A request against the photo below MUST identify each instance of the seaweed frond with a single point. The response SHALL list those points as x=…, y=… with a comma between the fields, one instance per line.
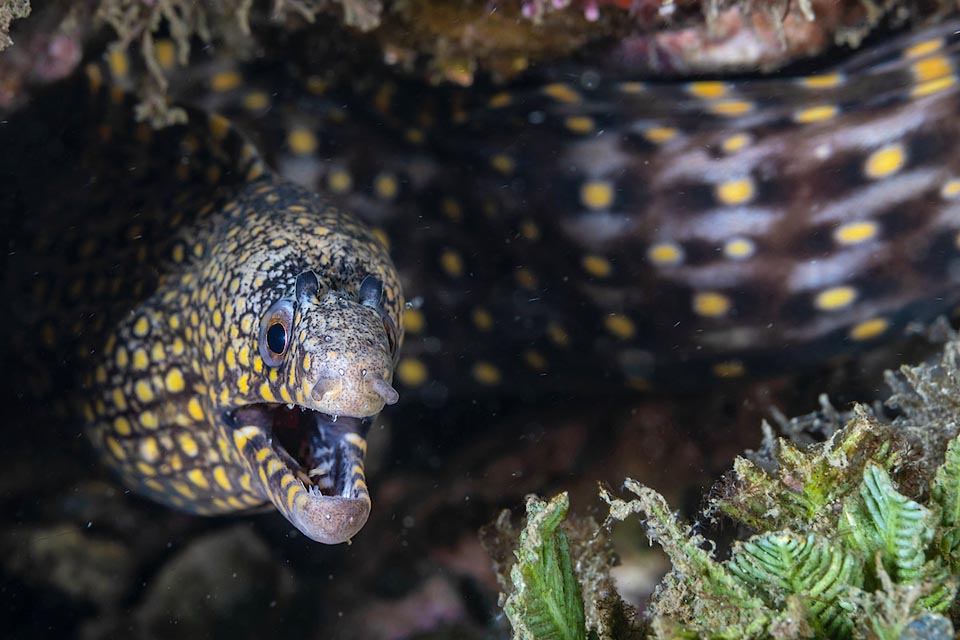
x=546, y=603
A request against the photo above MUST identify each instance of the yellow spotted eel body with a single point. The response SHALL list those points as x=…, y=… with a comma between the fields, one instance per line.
x=225, y=335
x=584, y=229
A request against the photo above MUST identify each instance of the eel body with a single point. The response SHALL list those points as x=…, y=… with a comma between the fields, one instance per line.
x=226, y=335
x=584, y=229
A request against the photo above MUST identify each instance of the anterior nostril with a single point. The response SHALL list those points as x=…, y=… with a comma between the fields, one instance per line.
x=385, y=391
x=327, y=388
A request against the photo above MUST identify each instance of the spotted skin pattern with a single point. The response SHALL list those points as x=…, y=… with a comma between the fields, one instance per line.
x=150, y=262
x=568, y=232
x=577, y=230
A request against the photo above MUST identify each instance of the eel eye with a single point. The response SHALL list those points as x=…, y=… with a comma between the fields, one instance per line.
x=275, y=332
x=371, y=292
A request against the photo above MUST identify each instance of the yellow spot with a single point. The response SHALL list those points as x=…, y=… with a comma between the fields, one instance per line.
x=711, y=304
x=140, y=360
x=412, y=372
x=525, y=278
x=183, y=490
x=452, y=209
x=529, y=230
x=558, y=335
x=219, y=126
x=243, y=384
x=503, y=163
x=884, y=161
x=835, y=298
x=931, y=68
x=855, y=232
x=561, y=92
x=452, y=263
x=500, y=100
x=816, y=114
x=149, y=450
x=620, y=326
x=386, y=186
x=220, y=477
x=141, y=327
x=301, y=141
x=823, y=81
x=739, y=248
x=597, y=266
x=707, y=90
x=731, y=108
x=659, y=135
x=869, y=329
x=119, y=400
x=122, y=426
x=188, y=445
x=267, y=393
x=735, y=191
x=174, y=380
x=482, y=319
x=665, y=253
x=339, y=181
x=194, y=409
x=381, y=237
x=119, y=64
x=933, y=86
x=736, y=142
x=414, y=136
x=535, y=360
x=225, y=81
x=143, y=391
x=414, y=321
x=145, y=468
x=486, y=373
x=149, y=420
x=596, y=194
x=256, y=101
x=196, y=477
x=579, y=124
x=729, y=369
x=923, y=48
x=631, y=87
x=114, y=445
x=950, y=189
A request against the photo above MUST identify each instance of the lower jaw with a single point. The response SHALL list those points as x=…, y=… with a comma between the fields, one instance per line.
x=309, y=465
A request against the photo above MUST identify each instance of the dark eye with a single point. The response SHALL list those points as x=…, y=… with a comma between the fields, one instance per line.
x=275, y=328
x=277, y=338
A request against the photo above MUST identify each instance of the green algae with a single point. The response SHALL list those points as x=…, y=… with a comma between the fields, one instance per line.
x=857, y=536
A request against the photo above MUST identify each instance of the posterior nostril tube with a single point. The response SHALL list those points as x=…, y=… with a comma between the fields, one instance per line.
x=385, y=391
x=328, y=388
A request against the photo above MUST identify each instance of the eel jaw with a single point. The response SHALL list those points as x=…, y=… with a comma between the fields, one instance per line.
x=309, y=465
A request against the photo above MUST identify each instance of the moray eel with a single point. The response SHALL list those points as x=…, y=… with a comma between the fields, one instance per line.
x=226, y=335
x=580, y=229
x=229, y=335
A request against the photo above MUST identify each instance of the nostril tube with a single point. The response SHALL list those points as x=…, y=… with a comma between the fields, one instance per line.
x=385, y=391
x=328, y=388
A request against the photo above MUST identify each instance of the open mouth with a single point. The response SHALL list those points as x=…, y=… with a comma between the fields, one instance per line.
x=310, y=465
x=308, y=442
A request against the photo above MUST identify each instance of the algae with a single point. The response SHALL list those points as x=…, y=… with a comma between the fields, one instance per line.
x=11, y=10
x=856, y=536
